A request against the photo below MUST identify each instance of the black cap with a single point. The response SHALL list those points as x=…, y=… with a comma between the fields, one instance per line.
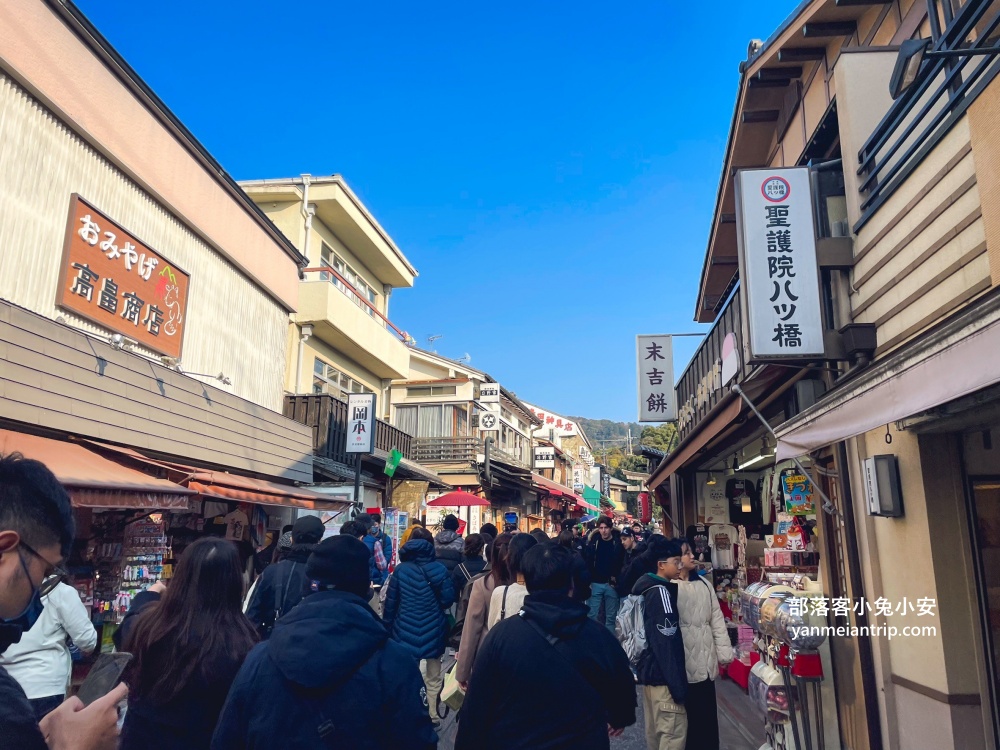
x=340, y=562
x=627, y=532
x=307, y=530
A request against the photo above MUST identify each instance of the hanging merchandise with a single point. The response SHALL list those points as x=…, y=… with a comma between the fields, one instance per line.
x=744, y=502
x=698, y=541
x=798, y=493
x=722, y=538
x=714, y=505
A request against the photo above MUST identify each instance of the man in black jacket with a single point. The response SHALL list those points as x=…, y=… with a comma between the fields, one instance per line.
x=281, y=585
x=605, y=555
x=661, y=667
x=329, y=677
x=552, y=648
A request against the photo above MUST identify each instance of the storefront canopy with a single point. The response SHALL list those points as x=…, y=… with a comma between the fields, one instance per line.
x=695, y=442
x=558, y=490
x=222, y=486
x=93, y=481
x=955, y=361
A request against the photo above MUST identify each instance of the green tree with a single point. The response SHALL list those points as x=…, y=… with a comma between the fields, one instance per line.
x=662, y=437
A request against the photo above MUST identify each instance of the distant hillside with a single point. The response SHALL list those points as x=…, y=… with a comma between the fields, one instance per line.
x=604, y=429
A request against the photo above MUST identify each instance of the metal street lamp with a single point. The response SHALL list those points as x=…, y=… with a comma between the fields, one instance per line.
x=910, y=60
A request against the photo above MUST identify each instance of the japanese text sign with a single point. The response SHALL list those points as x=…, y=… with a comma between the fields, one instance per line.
x=545, y=457
x=655, y=373
x=553, y=423
x=489, y=393
x=117, y=282
x=779, y=276
x=361, y=423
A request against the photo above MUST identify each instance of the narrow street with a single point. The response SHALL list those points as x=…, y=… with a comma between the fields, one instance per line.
x=740, y=728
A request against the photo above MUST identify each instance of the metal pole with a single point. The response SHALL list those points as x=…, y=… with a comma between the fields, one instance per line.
x=803, y=692
x=791, y=707
x=357, y=485
x=828, y=506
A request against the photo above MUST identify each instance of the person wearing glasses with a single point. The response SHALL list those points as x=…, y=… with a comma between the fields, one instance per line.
x=36, y=534
x=661, y=670
x=41, y=662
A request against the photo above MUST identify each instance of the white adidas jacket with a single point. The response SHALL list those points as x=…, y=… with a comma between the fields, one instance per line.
x=703, y=630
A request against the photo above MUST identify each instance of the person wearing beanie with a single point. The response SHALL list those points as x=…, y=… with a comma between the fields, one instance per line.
x=448, y=545
x=280, y=586
x=329, y=676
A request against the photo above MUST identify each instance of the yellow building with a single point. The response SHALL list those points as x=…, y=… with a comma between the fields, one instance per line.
x=341, y=339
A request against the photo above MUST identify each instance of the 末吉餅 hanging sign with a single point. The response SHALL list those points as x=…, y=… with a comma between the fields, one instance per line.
x=654, y=356
x=779, y=275
x=119, y=283
x=361, y=423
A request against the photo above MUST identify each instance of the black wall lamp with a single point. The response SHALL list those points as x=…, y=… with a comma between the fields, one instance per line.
x=910, y=60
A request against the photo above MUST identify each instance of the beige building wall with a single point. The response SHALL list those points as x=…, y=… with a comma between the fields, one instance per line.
x=41, y=52
x=233, y=326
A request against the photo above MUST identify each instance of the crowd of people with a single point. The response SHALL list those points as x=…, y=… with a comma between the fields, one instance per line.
x=333, y=647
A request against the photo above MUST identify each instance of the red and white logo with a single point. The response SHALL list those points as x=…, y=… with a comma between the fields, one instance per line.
x=776, y=189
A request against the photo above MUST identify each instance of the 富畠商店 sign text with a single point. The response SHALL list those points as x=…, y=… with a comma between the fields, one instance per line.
x=118, y=282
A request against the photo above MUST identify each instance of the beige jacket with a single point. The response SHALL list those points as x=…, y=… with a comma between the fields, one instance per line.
x=703, y=630
x=474, y=629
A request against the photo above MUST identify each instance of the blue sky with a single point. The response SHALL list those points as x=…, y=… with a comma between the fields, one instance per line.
x=549, y=168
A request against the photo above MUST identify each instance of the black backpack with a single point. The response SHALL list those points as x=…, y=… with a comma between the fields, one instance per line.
x=455, y=639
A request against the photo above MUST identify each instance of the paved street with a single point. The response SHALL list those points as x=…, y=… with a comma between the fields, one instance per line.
x=739, y=727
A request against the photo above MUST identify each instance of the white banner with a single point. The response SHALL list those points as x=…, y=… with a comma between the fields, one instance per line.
x=779, y=276
x=361, y=423
x=655, y=378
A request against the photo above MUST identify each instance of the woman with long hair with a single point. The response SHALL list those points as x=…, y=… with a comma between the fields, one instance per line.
x=506, y=601
x=187, y=648
x=478, y=610
x=581, y=571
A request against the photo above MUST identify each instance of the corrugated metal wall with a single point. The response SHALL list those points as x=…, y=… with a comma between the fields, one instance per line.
x=233, y=327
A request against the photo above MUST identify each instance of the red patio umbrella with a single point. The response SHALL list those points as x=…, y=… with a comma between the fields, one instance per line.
x=457, y=499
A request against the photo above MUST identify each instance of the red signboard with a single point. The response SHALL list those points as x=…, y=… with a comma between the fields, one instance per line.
x=118, y=282
x=645, y=508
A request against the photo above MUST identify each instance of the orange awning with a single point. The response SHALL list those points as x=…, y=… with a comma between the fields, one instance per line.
x=93, y=481
x=223, y=486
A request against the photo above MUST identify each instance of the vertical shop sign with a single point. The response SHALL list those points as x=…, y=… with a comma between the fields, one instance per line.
x=119, y=283
x=655, y=377
x=779, y=275
x=361, y=423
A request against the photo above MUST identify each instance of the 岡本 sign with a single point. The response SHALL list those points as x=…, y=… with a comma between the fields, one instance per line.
x=361, y=423
x=779, y=277
x=655, y=372
x=117, y=282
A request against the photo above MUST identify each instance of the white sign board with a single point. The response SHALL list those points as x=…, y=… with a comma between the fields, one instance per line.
x=655, y=377
x=361, y=423
x=779, y=275
x=545, y=457
x=579, y=474
x=489, y=393
x=489, y=421
x=871, y=487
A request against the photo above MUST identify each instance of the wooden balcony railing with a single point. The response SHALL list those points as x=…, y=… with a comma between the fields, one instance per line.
x=458, y=450
x=327, y=416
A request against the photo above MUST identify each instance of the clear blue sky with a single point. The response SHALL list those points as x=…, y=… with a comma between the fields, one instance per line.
x=549, y=168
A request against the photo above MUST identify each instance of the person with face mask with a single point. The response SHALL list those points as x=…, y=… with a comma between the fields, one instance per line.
x=36, y=534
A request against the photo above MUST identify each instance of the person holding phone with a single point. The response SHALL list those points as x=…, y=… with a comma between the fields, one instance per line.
x=187, y=648
x=36, y=534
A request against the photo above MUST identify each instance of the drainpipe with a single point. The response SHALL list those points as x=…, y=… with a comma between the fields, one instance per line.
x=307, y=215
x=305, y=332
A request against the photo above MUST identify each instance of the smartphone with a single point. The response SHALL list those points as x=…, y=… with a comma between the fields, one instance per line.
x=104, y=675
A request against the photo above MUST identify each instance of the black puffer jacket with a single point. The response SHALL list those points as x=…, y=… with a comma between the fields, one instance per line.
x=449, y=548
x=419, y=591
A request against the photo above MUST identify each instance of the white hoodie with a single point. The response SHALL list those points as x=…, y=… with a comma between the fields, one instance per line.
x=41, y=663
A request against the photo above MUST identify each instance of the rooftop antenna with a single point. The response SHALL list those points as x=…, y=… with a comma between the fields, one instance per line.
x=466, y=358
x=432, y=338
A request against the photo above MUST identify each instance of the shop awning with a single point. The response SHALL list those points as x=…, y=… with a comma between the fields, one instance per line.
x=553, y=488
x=223, y=486
x=93, y=481
x=694, y=443
x=955, y=361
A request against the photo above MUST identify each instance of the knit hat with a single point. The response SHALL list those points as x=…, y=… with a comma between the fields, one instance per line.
x=285, y=541
x=450, y=523
x=307, y=530
x=340, y=562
